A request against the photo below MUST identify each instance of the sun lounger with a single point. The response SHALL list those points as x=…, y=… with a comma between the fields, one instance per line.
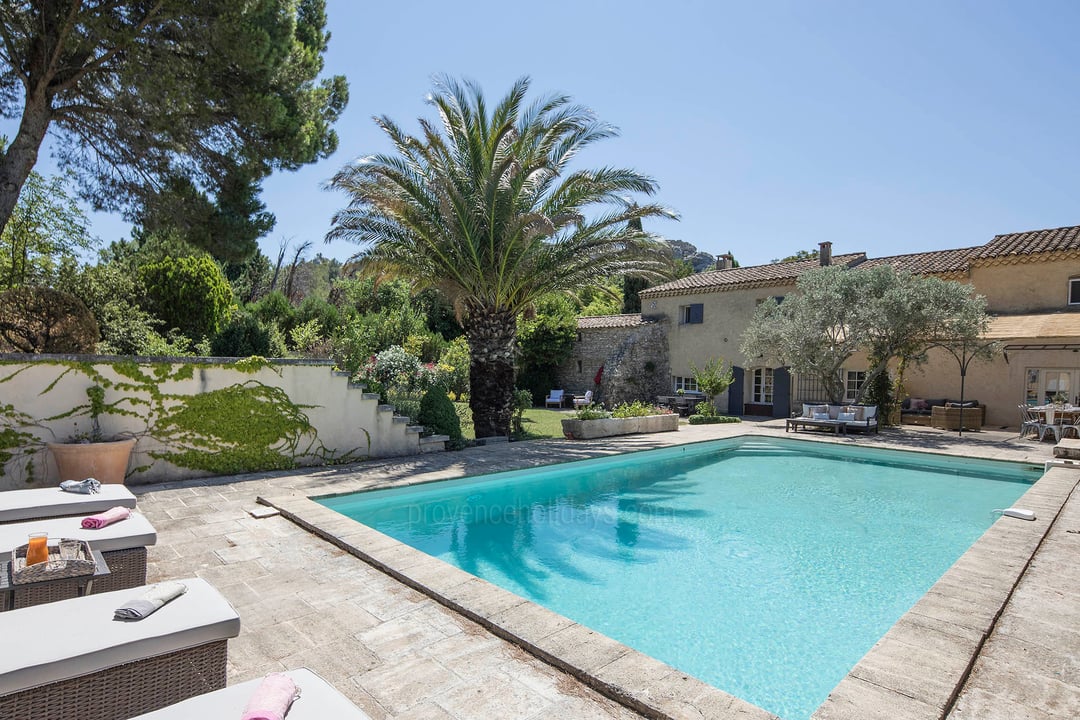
x=318, y=701
x=122, y=544
x=19, y=505
x=71, y=661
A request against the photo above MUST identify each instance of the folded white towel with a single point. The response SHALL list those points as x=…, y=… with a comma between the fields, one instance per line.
x=150, y=601
x=89, y=486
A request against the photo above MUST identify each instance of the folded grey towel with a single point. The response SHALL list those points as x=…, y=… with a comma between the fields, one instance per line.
x=150, y=601
x=89, y=486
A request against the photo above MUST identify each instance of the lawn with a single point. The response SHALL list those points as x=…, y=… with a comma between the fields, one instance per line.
x=537, y=422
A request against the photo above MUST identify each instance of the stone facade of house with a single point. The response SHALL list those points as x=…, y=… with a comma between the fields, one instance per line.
x=1031, y=282
x=631, y=349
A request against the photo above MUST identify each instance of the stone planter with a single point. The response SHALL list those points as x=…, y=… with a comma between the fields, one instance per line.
x=107, y=462
x=575, y=429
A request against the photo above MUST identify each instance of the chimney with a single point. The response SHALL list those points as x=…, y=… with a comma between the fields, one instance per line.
x=723, y=262
x=825, y=253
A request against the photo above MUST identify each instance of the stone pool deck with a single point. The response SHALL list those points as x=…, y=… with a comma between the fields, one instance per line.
x=397, y=653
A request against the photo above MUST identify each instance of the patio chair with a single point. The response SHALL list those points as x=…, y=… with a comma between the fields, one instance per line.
x=75, y=661
x=123, y=545
x=21, y=505
x=1054, y=427
x=1028, y=422
x=555, y=397
x=318, y=700
x=580, y=402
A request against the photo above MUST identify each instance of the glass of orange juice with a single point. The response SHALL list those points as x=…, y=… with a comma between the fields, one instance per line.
x=37, y=551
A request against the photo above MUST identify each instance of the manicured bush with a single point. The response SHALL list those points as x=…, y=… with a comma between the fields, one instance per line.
x=245, y=336
x=42, y=320
x=190, y=294
x=438, y=414
x=712, y=419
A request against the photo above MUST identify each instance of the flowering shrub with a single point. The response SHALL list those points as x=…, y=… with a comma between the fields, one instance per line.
x=395, y=370
x=592, y=412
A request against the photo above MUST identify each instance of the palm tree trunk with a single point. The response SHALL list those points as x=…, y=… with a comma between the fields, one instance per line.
x=492, y=336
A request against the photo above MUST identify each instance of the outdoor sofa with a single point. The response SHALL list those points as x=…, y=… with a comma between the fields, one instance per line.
x=941, y=413
x=318, y=701
x=122, y=544
x=71, y=660
x=948, y=417
x=838, y=418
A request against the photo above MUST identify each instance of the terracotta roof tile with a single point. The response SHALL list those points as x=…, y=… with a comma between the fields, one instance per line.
x=937, y=261
x=612, y=321
x=1033, y=241
x=755, y=275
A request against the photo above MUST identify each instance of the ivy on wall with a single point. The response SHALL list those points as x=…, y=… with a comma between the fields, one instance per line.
x=244, y=427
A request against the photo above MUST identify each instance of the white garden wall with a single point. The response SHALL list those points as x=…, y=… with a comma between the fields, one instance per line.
x=192, y=417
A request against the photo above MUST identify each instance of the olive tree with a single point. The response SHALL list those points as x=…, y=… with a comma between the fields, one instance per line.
x=885, y=313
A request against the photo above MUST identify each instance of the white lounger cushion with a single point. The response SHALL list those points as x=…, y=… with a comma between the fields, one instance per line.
x=71, y=638
x=18, y=505
x=318, y=701
x=134, y=532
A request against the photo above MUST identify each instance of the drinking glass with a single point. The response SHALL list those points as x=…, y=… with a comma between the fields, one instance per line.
x=69, y=549
x=37, y=550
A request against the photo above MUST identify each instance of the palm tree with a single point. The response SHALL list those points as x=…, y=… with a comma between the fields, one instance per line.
x=487, y=212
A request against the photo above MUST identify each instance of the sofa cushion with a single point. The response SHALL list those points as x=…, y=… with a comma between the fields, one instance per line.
x=134, y=532
x=71, y=638
x=935, y=402
x=821, y=416
x=965, y=404
x=318, y=701
x=18, y=505
x=846, y=417
x=857, y=411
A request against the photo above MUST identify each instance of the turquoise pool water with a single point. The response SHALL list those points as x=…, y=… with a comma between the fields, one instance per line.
x=766, y=568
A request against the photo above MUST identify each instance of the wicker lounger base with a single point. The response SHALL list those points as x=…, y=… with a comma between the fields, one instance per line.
x=127, y=569
x=125, y=690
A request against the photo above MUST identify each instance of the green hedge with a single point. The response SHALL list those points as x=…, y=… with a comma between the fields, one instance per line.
x=710, y=419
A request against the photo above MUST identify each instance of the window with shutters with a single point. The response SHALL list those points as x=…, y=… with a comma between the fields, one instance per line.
x=691, y=314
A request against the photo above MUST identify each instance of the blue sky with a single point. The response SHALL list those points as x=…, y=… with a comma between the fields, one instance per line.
x=770, y=126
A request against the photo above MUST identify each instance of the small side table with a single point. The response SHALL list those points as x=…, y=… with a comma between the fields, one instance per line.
x=13, y=597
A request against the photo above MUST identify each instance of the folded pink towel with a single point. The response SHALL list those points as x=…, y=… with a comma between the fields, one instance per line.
x=108, y=517
x=271, y=700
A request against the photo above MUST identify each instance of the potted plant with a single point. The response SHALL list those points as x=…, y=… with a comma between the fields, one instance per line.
x=91, y=454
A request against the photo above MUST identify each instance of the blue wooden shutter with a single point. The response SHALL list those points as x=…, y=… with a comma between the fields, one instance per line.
x=735, y=392
x=781, y=393
x=697, y=313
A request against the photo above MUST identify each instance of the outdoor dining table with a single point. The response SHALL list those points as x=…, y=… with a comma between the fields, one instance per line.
x=1067, y=414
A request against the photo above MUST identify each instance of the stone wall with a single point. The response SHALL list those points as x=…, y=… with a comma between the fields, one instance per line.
x=632, y=351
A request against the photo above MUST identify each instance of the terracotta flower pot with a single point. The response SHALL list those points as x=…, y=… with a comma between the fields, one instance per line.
x=105, y=461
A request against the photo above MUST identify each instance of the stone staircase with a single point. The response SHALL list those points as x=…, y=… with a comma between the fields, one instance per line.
x=392, y=435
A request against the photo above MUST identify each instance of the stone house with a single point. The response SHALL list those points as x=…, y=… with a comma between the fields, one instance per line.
x=1031, y=281
x=628, y=354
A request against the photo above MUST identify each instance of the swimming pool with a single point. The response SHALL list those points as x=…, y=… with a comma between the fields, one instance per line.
x=764, y=567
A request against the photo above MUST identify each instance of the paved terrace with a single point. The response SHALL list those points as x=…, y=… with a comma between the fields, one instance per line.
x=397, y=653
